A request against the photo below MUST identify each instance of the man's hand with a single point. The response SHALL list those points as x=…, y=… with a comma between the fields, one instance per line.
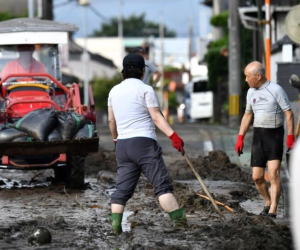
x=177, y=142
x=239, y=145
x=290, y=141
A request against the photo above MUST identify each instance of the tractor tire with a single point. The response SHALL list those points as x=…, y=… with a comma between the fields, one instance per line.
x=73, y=174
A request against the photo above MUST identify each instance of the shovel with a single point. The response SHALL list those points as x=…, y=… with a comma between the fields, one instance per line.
x=204, y=187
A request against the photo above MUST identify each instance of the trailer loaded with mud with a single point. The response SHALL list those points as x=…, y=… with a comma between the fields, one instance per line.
x=43, y=123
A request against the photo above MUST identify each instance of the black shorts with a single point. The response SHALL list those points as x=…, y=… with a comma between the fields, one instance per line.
x=135, y=156
x=267, y=145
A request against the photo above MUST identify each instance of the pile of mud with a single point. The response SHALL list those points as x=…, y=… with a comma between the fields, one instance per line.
x=102, y=160
x=215, y=166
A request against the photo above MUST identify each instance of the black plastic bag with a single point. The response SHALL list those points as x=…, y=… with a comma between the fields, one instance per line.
x=38, y=124
x=54, y=136
x=69, y=123
x=88, y=131
x=22, y=139
x=9, y=134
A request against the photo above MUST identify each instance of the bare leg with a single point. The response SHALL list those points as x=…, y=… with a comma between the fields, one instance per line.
x=168, y=202
x=261, y=184
x=274, y=174
x=116, y=208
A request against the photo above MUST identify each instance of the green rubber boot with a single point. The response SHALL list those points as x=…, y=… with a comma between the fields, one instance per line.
x=179, y=218
x=116, y=220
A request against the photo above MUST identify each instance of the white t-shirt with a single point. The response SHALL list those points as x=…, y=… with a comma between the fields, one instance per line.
x=267, y=104
x=130, y=101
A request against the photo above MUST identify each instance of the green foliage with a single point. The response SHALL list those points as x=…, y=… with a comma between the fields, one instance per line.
x=7, y=15
x=101, y=87
x=170, y=69
x=220, y=43
x=133, y=26
x=246, y=48
x=217, y=66
x=220, y=20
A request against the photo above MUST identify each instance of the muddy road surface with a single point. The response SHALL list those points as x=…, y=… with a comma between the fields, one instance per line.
x=80, y=219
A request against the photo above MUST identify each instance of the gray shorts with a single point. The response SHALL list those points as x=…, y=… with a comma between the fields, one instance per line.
x=267, y=145
x=135, y=156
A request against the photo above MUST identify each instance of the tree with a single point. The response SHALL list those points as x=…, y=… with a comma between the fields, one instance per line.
x=217, y=62
x=133, y=26
x=101, y=87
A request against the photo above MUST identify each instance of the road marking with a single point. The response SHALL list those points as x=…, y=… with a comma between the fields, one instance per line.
x=207, y=143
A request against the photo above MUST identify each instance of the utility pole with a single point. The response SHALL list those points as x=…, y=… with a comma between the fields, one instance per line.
x=46, y=11
x=30, y=8
x=120, y=31
x=85, y=56
x=234, y=64
x=191, y=38
x=268, y=41
x=161, y=86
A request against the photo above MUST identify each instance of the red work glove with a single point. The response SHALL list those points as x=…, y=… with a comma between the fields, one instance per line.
x=290, y=141
x=239, y=145
x=177, y=142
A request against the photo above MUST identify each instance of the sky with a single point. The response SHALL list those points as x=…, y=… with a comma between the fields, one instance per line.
x=177, y=15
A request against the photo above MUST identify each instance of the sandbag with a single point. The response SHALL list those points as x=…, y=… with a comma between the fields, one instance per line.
x=38, y=124
x=54, y=136
x=69, y=123
x=87, y=131
x=2, y=127
x=9, y=134
x=22, y=139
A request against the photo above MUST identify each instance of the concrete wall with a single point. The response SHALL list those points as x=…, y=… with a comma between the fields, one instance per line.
x=109, y=47
x=76, y=68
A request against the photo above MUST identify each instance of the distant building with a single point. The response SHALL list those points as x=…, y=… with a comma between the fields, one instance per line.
x=98, y=65
x=282, y=48
x=176, y=50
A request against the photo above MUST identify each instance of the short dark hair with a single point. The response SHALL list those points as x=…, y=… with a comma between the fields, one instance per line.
x=133, y=66
x=132, y=73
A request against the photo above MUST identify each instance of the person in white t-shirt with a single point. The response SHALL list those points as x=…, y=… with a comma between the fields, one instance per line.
x=133, y=112
x=267, y=103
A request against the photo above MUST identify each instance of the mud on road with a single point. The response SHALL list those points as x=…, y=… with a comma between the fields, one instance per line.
x=81, y=219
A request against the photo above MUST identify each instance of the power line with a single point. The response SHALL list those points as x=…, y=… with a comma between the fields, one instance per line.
x=62, y=4
x=98, y=14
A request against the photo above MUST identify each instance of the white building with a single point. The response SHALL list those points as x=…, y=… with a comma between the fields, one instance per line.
x=175, y=50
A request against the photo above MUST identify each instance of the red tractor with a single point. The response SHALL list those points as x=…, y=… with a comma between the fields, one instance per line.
x=24, y=91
